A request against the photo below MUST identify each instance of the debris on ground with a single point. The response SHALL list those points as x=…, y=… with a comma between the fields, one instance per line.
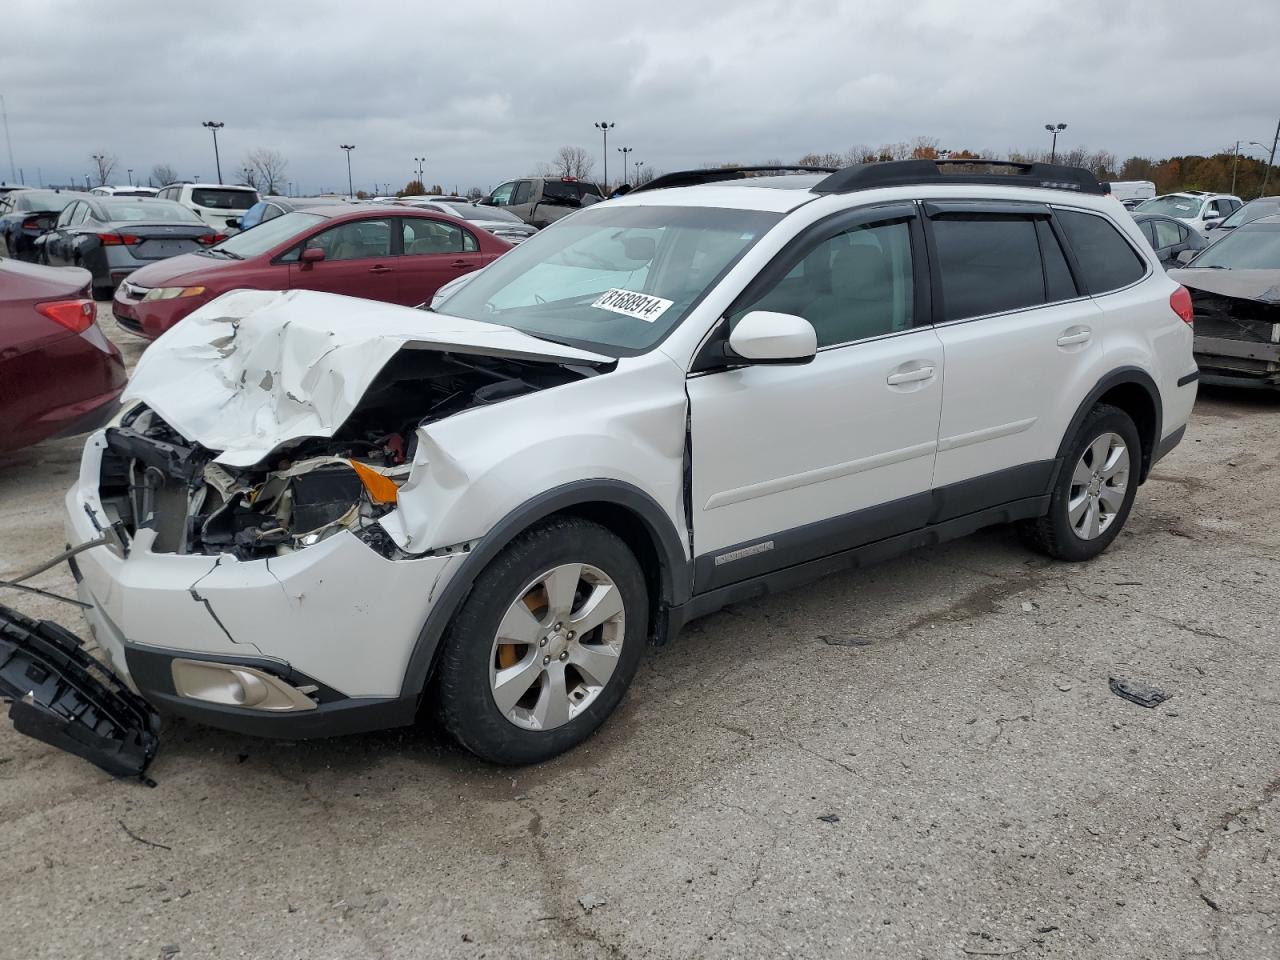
x=844, y=640
x=169, y=951
x=589, y=901
x=829, y=818
x=1136, y=691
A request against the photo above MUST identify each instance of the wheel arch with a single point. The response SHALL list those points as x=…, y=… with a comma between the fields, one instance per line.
x=620, y=507
x=1134, y=391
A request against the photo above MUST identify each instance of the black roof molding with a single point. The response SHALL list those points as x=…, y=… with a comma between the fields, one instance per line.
x=1003, y=173
x=691, y=178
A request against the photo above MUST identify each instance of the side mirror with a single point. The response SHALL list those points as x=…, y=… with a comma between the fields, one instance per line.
x=311, y=255
x=763, y=336
x=1186, y=256
x=1212, y=224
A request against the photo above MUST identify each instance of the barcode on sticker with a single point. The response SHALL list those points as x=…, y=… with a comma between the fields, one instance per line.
x=642, y=306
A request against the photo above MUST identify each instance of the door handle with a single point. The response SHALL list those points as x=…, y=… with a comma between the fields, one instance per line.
x=909, y=376
x=379, y=268
x=462, y=263
x=1075, y=335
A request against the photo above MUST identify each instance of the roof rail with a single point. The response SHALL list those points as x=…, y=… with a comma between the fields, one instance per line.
x=690, y=178
x=899, y=173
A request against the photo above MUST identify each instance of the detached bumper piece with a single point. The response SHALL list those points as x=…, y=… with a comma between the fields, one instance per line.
x=64, y=697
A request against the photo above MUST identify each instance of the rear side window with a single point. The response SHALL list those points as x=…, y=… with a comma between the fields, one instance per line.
x=1107, y=261
x=988, y=265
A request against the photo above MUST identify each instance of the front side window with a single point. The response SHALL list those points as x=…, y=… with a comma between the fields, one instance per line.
x=1107, y=261
x=611, y=279
x=355, y=240
x=988, y=265
x=423, y=236
x=856, y=285
x=501, y=197
x=266, y=236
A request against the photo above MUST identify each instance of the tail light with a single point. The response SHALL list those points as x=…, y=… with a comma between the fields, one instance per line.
x=75, y=315
x=118, y=239
x=210, y=239
x=1180, y=301
x=33, y=223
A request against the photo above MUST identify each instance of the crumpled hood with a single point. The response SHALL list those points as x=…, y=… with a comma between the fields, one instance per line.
x=1261, y=285
x=255, y=368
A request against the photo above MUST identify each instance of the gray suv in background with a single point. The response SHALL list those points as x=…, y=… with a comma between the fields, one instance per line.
x=543, y=200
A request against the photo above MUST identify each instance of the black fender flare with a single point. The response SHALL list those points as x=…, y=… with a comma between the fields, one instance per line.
x=674, y=561
x=1116, y=378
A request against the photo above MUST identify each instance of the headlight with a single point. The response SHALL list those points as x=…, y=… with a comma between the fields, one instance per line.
x=172, y=293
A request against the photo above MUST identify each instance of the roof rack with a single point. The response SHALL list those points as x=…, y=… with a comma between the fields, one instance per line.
x=899, y=173
x=691, y=178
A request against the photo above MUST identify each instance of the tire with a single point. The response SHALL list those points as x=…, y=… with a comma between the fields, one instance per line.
x=1064, y=532
x=512, y=598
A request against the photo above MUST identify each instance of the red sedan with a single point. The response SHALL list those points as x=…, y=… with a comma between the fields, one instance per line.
x=390, y=253
x=59, y=375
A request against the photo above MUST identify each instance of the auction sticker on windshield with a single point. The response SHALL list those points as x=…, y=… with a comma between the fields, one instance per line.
x=642, y=306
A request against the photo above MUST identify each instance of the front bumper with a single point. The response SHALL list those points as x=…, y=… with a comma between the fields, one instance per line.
x=150, y=318
x=336, y=616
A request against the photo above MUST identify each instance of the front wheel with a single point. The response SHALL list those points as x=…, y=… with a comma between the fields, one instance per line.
x=545, y=644
x=1094, y=490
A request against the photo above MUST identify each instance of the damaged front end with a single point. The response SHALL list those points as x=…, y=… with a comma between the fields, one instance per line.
x=1237, y=325
x=153, y=478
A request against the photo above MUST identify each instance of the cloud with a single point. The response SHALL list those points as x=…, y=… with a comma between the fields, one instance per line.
x=489, y=93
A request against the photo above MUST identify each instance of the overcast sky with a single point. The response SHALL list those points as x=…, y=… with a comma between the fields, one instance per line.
x=488, y=91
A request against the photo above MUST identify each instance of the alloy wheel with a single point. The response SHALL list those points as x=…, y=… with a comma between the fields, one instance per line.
x=1098, y=486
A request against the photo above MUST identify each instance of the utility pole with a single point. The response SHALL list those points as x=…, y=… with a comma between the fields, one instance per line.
x=604, y=127
x=1270, y=160
x=1055, y=129
x=9, y=143
x=214, y=126
x=351, y=193
x=624, y=151
x=1234, y=167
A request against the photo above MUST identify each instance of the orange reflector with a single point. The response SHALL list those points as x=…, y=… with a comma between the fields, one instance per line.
x=381, y=489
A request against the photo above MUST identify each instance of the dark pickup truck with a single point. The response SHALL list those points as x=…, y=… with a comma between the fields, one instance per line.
x=543, y=200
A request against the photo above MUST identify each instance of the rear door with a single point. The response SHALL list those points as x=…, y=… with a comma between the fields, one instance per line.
x=359, y=261
x=57, y=245
x=435, y=251
x=795, y=462
x=1021, y=340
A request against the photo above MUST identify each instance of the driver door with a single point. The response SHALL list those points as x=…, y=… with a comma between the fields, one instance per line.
x=796, y=462
x=358, y=261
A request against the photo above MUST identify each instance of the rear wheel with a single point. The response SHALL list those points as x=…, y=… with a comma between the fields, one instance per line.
x=1094, y=490
x=545, y=645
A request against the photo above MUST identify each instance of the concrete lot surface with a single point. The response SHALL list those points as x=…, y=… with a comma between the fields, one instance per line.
x=922, y=760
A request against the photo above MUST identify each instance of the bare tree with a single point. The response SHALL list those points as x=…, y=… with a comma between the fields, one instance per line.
x=861, y=153
x=474, y=193
x=573, y=162
x=822, y=160
x=269, y=168
x=106, y=164
x=163, y=174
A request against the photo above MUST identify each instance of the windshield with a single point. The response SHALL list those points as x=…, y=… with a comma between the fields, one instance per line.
x=165, y=210
x=1252, y=248
x=467, y=212
x=1184, y=208
x=45, y=202
x=1252, y=211
x=224, y=199
x=612, y=279
x=268, y=235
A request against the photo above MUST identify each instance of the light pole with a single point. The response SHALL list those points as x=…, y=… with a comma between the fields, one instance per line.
x=420, y=161
x=639, y=164
x=131, y=176
x=351, y=193
x=1054, y=129
x=98, y=158
x=604, y=127
x=1236, y=164
x=624, y=151
x=214, y=126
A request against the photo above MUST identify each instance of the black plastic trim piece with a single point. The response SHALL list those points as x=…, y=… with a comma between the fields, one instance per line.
x=979, y=209
x=675, y=573
x=992, y=489
x=903, y=173
x=1117, y=378
x=1191, y=377
x=1167, y=444
x=861, y=556
x=691, y=178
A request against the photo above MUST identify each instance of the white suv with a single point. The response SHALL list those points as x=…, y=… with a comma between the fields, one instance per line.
x=1198, y=209
x=220, y=205
x=336, y=511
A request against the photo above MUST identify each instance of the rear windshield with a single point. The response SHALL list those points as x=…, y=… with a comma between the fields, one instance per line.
x=268, y=234
x=224, y=199
x=42, y=200
x=148, y=210
x=570, y=189
x=615, y=279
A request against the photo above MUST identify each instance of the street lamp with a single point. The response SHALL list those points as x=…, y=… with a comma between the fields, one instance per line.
x=214, y=126
x=131, y=176
x=420, y=161
x=624, y=151
x=351, y=193
x=604, y=127
x=98, y=158
x=1054, y=129
x=639, y=164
